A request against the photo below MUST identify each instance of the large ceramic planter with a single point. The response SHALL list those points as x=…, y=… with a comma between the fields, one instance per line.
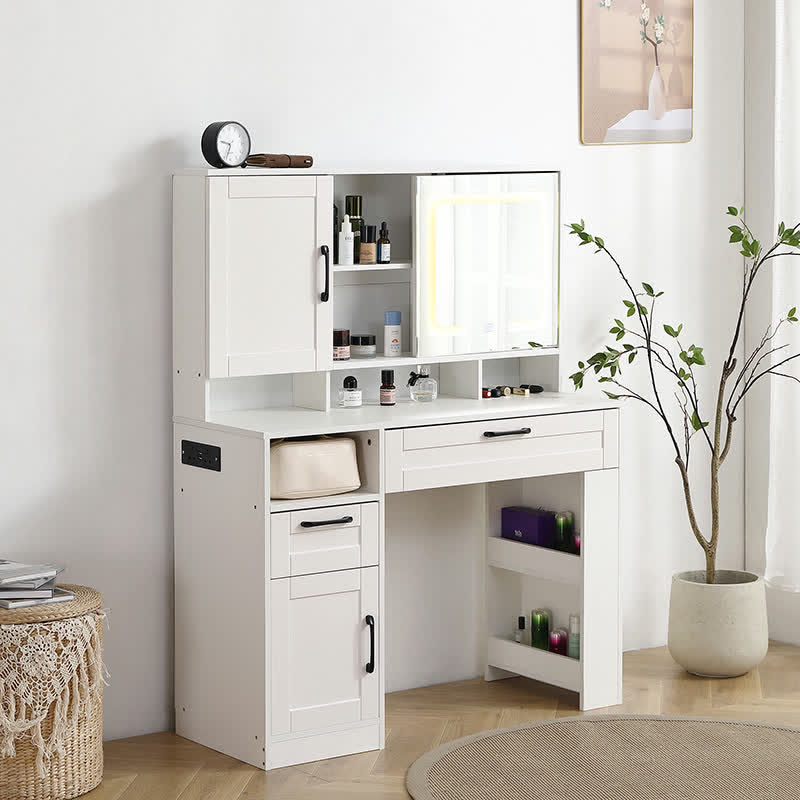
x=718, y=630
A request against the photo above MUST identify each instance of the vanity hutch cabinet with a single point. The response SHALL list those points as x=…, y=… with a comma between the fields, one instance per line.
x=293, y=618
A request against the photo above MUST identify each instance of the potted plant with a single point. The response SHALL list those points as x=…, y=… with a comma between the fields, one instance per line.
x=717, y=618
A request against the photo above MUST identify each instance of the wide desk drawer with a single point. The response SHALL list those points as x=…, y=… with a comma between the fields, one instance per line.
x=499, y=449
x=323, y=539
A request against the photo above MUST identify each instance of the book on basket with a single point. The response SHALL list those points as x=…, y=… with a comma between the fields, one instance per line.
x=59, y=596
x=16, y=575
x=15, y=592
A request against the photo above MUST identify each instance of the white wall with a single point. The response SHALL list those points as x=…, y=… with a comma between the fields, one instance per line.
x=102, y=100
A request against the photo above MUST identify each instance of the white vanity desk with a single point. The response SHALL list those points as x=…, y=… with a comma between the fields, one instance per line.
x=287, y=636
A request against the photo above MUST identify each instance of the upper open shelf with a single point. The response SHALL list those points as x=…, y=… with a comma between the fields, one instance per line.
x=372, y=267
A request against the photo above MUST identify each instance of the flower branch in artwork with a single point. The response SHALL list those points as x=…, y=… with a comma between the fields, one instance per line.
x=659, y=27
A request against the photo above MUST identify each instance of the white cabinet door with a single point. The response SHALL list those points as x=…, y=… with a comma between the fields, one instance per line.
x=486, y=251
x=324, y=651
x=267, y=238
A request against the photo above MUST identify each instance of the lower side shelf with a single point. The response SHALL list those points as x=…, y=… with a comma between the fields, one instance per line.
x=540, y=665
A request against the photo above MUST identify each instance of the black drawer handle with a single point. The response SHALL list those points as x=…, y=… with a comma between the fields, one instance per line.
x=370, y=667
x=495, y=434
x=317, y=524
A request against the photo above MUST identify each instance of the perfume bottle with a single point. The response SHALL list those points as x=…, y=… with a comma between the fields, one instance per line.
x=349, y=394
x=421, y=387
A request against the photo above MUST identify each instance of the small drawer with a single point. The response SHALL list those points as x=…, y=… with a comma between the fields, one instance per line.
x=323, y=540
x=493, y=450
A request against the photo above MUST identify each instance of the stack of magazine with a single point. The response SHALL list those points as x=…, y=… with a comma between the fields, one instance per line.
x=25, y=585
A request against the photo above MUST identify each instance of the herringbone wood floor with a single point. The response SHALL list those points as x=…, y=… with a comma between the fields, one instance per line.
x=165, y=767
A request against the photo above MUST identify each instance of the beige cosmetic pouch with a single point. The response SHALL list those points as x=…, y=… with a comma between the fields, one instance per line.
x=313, y=468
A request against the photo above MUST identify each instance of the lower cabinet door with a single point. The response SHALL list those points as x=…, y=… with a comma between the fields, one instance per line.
x=324, y=650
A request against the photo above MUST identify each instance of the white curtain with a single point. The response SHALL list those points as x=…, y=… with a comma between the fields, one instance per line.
x=783, y=522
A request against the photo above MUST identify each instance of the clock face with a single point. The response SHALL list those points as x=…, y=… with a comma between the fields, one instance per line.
x=233, y=144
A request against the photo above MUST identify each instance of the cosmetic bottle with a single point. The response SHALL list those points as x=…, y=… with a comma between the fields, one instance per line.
x=341, y=344
x=362, y=345
x=520, y=634
x=421, y=387
x=384, y=245
x=388, y=389
x=352, y=207
x=349, y=394
x=540, y=628
x=346, y=243
x=574, y=647
x=368, y=246
x=392, y=334
x=558, y=641
x=335, y=234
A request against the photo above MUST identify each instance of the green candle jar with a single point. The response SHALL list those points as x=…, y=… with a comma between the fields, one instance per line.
x=540, y=628
x=565, y=531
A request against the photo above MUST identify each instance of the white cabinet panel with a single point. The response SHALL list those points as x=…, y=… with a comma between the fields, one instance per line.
x=266, y=274
x=321, y=650
x=486, y=251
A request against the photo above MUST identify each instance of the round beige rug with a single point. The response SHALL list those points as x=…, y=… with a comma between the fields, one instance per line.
x=615, y=758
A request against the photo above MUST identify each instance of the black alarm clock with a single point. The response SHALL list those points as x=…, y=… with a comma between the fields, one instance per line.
x=225, y=144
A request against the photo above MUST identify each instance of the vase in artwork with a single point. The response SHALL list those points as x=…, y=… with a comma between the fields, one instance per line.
x=657, y=96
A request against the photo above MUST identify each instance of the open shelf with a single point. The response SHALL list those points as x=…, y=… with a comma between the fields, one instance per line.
x=371, y=267
x=379, y=362
x=539, y=665
x=347, y=499
x=552, y=565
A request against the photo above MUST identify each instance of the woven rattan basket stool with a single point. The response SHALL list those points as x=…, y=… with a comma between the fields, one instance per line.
x=51, y=698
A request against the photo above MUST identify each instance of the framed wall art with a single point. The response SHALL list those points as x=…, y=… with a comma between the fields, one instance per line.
x=637, y=71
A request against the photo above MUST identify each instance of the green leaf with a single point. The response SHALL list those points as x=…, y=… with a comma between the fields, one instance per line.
x=599, y=242
x=611, y=395
x=642, y=310
x=781, y=230
x=621, y=334
x=649, y=289
x=535, y=344
x=732, y=211
x=792, y=312
x=697, y=423
x=631, y=357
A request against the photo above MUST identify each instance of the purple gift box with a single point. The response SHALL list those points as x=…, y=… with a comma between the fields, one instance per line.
x=528, y=525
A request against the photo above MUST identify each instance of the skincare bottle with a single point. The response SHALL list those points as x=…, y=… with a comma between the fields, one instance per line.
x=422, y=387
x=352, y=207
x=519, y=634
x=341, y=344
x=349, y=394
x=392, y=333
x=388, y=390
x=384, y=245
x=346, y=243
x=574, y=647
x=368, y=245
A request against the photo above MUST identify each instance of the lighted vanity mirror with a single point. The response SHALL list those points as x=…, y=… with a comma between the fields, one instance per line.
x=487, y=262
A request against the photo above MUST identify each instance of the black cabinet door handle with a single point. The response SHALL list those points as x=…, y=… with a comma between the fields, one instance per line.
x=326, y=295
x=494, y=434
x=370, y=667
x=317, y=523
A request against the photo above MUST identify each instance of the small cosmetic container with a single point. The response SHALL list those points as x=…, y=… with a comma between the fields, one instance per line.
x=559, y=638
x=362, y=345
x=368, y=246
x=388, y=393
x=349, y=394
x=574, y=646
x=485, y=392
x=523, y=391
x=520, y=634
x=540, y=628
x=341, y=344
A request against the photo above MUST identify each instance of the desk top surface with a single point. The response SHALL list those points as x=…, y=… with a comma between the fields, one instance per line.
x=280, y=422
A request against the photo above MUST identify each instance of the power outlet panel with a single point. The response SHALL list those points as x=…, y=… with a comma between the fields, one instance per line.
x=204, y=456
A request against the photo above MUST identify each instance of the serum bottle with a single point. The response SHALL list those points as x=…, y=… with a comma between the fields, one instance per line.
x=346, y=243
x=392, y=334
x=384, y=245
x=388, y=389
